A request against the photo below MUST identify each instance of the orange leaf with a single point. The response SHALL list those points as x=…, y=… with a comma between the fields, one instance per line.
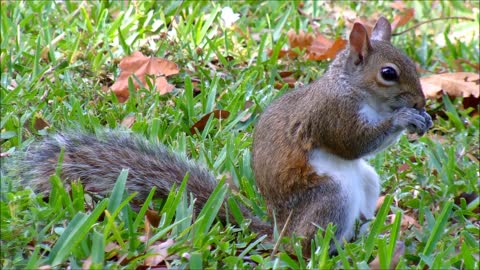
x=142, y=66
x=200, y=124
x=301, y=40
x=330, y=52
x=402, y=18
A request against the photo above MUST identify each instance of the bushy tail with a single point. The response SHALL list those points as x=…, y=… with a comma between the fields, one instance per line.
x=97, y=160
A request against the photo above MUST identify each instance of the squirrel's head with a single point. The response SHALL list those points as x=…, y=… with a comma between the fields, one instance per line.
x=375, y=65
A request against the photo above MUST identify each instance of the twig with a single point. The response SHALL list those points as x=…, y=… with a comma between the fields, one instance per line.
x=277, y=244
x=432, y=20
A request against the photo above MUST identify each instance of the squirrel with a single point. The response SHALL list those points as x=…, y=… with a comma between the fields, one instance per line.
x=309, y=145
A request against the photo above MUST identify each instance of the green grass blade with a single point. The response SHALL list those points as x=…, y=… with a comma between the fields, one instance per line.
x=438, y=229
x=377, y=225
x=118, y=191
x=98, y=251
x=76, y=230
x=209, y=212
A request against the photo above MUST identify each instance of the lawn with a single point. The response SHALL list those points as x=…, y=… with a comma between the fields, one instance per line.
x=60, y=58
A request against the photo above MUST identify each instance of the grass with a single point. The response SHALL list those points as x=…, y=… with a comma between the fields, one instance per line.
x=56, y=56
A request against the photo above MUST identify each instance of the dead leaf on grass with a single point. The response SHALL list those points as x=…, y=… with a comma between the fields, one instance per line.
x=158, y=253
x=379, y=203
x=128, y=121
x=247, y=116
x=457, y=84
x=403, y=17
x=407, y=221
x=397, y=254
x=324, y=49
x=200, y=124
x=87, y=263
x=317, y=47
x=152, y=217
x=143, y=67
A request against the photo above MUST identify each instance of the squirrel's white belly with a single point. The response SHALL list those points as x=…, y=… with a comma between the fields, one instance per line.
x=358, y=180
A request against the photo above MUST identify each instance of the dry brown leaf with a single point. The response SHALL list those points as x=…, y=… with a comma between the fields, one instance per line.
x=403, y=18
x=152, y=217
x=111, y=247
x=200, y=124
x=407, y=221
x=380, y=201
x=247, y=116
x=317, y=47
x=87, y=263
x=301, y=40
x=404, y=167
x=128, y=121
x=46, y=50
x=40, y=123
x=158, y=253
x=328, y=52
x=399, y=251
x=457, y=84
x=143, y=67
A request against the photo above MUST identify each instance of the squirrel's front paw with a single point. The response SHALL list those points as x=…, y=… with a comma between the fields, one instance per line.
x=413, y=120
x=428, y=120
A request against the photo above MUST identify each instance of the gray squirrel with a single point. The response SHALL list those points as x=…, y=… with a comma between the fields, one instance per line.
x=308, y=150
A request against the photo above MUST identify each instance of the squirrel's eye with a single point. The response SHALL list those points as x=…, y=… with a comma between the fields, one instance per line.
x=389, y=74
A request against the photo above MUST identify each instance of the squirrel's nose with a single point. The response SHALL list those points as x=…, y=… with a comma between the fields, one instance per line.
x=420, y=103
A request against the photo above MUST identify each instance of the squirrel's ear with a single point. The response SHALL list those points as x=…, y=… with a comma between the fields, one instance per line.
x=382, y=30
x=359, y=43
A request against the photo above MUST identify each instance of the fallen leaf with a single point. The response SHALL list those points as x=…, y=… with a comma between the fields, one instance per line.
x=379, y=203
x=46, y=50
x=247, y=116
x=321, y=52
x=200, y=124
x=301, y=40
x=397, y=254
x=40, y=123
x=153, y=217
x=143, y=67
x=87, y=263
x=457, y=84
x=128, y=121
x=404, y=167
x=158, y=253
x=317, y=47
x=402, y=18
x=407, y=221
x=111, y=247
